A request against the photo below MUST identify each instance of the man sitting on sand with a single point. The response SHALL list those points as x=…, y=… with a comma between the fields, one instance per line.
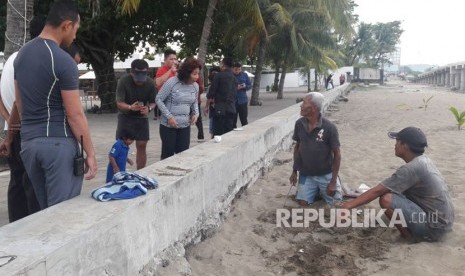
x=317, y=154
x=417, y=188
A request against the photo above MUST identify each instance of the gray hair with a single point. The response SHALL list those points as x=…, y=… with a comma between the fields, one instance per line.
x=317, y=99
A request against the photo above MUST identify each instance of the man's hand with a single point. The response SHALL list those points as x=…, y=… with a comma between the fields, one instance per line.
x=144, y=110
x=130, y=162
x=91, y=167
x=331, y=189
x=293, y=178
x=172, y=122
x=5, y=148
x=174, y=68
x=193, y=119
x=135, y=106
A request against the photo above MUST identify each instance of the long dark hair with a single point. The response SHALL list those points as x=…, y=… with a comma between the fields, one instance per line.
x=187, y=67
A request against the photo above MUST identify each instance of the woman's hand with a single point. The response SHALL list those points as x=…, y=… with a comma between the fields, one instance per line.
x=193, y=119
x=172, y=122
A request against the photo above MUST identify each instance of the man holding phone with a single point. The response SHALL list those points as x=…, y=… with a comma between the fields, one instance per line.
x=243, y=84
x=135, y=98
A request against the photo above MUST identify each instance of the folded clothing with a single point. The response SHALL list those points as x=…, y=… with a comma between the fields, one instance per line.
x=125, y=185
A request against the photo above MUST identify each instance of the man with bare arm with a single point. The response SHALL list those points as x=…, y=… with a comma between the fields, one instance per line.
x=48, y=105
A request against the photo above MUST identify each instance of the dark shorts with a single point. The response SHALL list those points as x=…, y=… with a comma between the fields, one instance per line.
x=136, y=127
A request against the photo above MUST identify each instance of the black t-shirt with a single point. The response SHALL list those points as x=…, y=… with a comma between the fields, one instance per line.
x=127, y=91
x=223, y=90
x=315, y=156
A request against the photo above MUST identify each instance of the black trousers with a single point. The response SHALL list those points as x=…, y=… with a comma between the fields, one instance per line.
x=22, y=200
x=242, y=113
x=156, y=112
x=223, y=122
x=174, y=140
x=199, y=125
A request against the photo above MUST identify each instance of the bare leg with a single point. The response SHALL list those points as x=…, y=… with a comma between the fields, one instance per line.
x=302, y=203
x=385, y=203
x=141, y=157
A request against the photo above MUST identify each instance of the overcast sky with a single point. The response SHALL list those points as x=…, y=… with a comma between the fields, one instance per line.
x=434, y=30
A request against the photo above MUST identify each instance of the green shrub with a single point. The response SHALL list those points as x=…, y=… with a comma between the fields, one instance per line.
x=460, y=117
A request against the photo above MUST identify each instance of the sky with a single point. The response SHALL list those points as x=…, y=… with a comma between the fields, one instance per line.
x=434, y=30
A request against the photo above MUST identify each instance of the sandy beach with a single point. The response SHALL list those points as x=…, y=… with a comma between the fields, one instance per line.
x=249, y=243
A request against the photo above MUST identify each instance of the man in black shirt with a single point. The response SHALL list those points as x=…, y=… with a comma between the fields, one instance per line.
x=223, y=92
x=317, y=154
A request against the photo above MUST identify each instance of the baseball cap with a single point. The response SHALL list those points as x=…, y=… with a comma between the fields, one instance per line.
x=413, y=137
x=139, y=69
x=140, y=76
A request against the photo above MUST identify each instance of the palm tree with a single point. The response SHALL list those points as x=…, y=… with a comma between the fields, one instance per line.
x=253, y=19
x=308, y=34
x=297, y=24
x=207, y=26
x=19, y=14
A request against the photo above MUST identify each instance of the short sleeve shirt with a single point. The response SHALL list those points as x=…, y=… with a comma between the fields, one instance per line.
x=127, y=91
x=315, y=156
x=7, y=84
x=43, y=70
x=422, y=183
x=119, y=151
x=161, y=71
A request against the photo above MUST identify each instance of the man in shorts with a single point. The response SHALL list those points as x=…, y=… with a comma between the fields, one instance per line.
x=135, y=98
x=317, y=154
x=417, y=189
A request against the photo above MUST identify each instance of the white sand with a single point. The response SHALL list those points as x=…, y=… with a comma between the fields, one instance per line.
x=249, y=243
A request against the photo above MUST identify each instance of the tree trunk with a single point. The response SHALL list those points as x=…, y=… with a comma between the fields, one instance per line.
x=95, y=52
x=309, y=85
x=281, y=81
x=316, y=81
x=19, y=13
x=207, y=26
x=276, y=77
x=106, y=84
x=258, y=72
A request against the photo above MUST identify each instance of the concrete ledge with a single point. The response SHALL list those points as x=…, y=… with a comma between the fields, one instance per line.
x=85, y=237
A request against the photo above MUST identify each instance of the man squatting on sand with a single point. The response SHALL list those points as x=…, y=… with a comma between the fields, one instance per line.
x=417, y=188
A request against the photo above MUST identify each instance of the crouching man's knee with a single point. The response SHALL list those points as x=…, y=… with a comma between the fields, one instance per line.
x=385, y=201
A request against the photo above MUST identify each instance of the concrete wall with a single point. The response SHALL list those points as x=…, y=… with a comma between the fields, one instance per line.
x=85, y=237
x=293, y=79
x=369, y=74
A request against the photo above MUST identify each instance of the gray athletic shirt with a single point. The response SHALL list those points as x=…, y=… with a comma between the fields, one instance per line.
x=43, y=70
x=179, y=100
x=421, y=182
